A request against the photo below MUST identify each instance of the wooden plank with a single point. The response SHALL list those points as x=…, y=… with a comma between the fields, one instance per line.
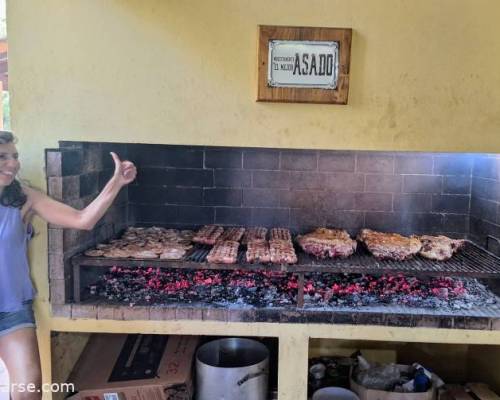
x=483, y=391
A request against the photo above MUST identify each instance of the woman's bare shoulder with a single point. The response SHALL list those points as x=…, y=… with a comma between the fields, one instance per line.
x=32, y=193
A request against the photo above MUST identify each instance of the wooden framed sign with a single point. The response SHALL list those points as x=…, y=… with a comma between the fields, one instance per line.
x=304, y=65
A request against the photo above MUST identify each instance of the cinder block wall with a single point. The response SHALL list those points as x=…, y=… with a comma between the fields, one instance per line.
x=301, y=189
x=485, y=201
x=76, y=172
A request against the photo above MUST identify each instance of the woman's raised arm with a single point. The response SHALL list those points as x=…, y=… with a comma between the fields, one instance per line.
x=58, y=213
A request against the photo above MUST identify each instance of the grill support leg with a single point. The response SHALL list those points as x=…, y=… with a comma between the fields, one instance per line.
x=76, y=283
x=300, y=291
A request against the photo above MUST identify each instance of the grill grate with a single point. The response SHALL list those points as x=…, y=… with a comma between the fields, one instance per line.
x=472, y=261
x=199, y=254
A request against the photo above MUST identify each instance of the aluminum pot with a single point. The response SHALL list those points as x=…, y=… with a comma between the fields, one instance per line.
x=232, y=368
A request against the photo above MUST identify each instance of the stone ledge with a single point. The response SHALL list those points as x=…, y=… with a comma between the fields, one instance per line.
x=202, y=312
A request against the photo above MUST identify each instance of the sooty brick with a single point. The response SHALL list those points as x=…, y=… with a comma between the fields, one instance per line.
x=413, y=164
x=450, y=203
x=261, y=159
x=271, y=217
x=422, y=184
x=232, y=178
x=261, y=197
x=336, y=161
x=222, y=197
x=227, y=158
x=299, y=160
x=233, y=216
x=456, y=164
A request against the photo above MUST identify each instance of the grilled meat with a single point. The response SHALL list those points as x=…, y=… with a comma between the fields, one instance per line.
x=225, y=252
x=233, y=234
x=258, y=251
x=282, y=252
x=280, y=233
x=208, y=234
x=147, y=254
x=256, y=232
x=94, y=253
x=116, y=253
x=440, y=248
x=324, y=243
x=146, y=243
x=173, y=253
x=390, y=246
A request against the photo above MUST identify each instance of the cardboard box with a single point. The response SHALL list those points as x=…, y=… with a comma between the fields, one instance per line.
x=372, y=394
x=135, y=367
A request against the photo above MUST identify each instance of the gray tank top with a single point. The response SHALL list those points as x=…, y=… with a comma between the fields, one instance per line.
x=15, y=281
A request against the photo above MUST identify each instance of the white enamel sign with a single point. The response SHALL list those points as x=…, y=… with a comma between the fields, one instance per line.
x=303, y=64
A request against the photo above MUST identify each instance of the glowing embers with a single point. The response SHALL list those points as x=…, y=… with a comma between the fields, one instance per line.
x=267, y=289
x=159, y=286
x=351, y=290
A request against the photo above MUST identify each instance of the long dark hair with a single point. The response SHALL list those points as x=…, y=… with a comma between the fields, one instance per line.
x=12, y=195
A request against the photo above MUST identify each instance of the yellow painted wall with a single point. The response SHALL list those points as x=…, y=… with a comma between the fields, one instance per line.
x=425, y=75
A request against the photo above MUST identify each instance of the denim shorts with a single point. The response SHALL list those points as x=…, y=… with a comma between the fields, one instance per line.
x=12, y=321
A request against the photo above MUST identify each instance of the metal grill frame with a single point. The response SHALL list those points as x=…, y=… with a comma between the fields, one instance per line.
x=472, y=261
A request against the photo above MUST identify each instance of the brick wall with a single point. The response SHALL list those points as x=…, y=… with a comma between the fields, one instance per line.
x=187, y=186
x=485, y=201
x=301, y=189
x=76, y=172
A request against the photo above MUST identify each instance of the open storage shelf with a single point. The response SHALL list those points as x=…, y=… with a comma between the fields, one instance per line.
x=72, y=352
x=456, y=364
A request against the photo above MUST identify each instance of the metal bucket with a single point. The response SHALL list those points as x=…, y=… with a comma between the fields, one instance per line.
x=232, y=368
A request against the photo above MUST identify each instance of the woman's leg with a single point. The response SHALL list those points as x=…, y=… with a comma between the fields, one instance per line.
x=19, y=351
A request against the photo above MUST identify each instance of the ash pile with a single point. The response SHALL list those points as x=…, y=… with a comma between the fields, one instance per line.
x=279, y=289
x=355, y=290
x=162, y=286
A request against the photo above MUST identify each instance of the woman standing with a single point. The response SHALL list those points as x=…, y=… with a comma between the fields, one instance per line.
x=18, y=204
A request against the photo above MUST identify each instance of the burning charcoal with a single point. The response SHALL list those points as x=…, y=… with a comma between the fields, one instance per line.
x=351, y=290
x=278, y=289
x=155, y=286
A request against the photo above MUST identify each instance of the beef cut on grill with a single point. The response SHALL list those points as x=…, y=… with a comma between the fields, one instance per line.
x=280, y=233
x=390, y=246
x=440, y=248
x=282, y=252
x=235, y=234
x=258, y=251
x=208, y=234
x=324, y=243
x=255, y=232
x=225, y=252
